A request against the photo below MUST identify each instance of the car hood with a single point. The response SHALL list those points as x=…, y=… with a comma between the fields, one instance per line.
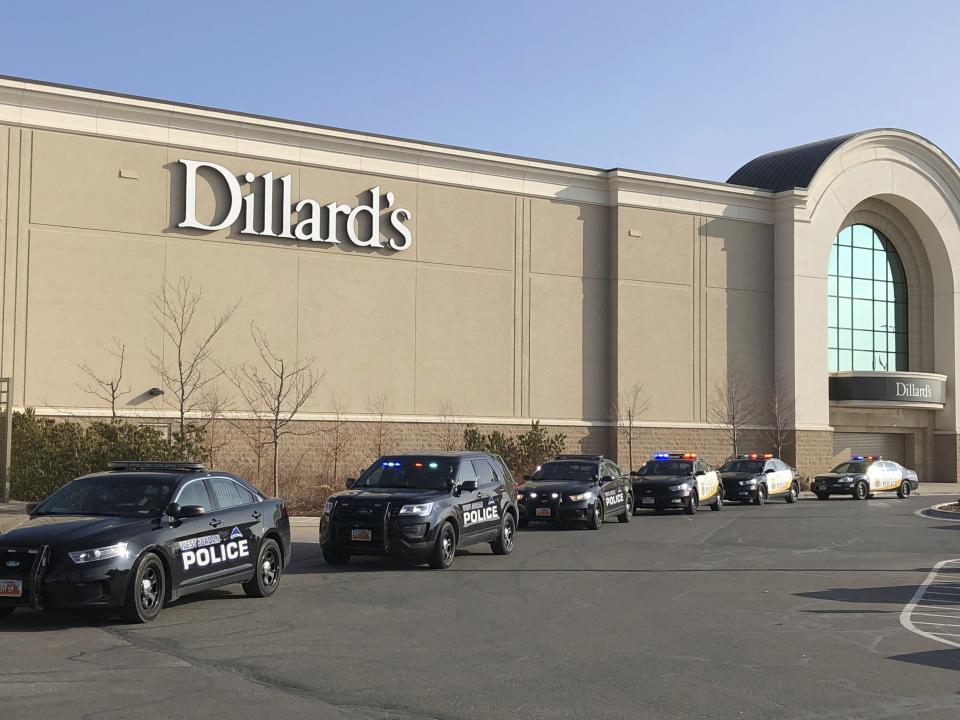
x=73, y=530
x=657, y=480
x=558, y=486
x=362, y=496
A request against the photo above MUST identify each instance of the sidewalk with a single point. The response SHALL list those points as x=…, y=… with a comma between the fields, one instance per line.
x=11, y=515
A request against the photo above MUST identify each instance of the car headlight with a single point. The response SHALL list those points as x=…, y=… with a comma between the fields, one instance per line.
x=533, y=496
x=521, y=497
x=588, y=496
x=103, y=553
x=328, y=507
x=846, y=479
x=420, y=510
x=751, y=481
x=679, y=488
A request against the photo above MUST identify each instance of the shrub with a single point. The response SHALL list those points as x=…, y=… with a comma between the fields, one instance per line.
x=45, y=454
x=522, y=453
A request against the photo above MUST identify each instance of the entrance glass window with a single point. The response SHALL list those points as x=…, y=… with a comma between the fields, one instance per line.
x=866, y=303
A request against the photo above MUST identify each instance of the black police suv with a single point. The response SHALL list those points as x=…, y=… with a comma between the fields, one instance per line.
x=864, y=475
x=576, y=488
x=757, y=477
x=422, y=507
x=676, y=480
x=143, y=534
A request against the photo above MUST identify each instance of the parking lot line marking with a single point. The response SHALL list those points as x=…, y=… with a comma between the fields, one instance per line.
x=918, y=601
x=921, y=622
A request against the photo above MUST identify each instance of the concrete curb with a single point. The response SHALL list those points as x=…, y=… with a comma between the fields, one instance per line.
x=935, y=513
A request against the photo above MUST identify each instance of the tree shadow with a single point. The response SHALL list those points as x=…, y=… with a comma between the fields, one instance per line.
x=942, y=659
x=891, y=595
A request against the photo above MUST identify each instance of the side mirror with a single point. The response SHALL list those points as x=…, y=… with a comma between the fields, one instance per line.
x=349, y=483
x=185, y=511
x=526, y=477
x=30, y=507
x=768, y=471
x=173, y=510
x=634, y=473
x=469, y=486
x=700, y=473
x=606, y=479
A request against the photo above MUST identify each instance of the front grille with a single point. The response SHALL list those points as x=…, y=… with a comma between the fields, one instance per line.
x=25, y=565
x=373, y=516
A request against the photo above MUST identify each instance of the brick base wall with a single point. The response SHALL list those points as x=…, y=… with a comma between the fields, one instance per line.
x=812, y=452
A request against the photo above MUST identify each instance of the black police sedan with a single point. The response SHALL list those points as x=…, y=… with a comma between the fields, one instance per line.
x=757, y=477
x=141, y=535
x=576, y=488
x=422, y=507
x=676, y=480
x=863, y=476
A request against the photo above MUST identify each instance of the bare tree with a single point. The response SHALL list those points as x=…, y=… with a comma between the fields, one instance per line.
x=448, y=431
x=733, y=408
x=339, y=439
x=109, y=389
x=381, y=436
x=274, y=390
x=780, y=412
x=627, y=409
x=186, y=374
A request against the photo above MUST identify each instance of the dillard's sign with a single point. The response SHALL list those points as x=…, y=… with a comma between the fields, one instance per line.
x=316, y=222
x=893, y=388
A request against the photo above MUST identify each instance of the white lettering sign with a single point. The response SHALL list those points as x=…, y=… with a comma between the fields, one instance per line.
x=315, y=223
x=912, y=390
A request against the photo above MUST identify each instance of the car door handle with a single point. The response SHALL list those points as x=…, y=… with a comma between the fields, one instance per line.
x=214, y=523
x=255, y=515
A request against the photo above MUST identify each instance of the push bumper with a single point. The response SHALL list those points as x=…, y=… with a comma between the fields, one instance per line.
x=414, y=537
x=52, y=582
x=832, y=488
x=555, y=510
x=741, y=493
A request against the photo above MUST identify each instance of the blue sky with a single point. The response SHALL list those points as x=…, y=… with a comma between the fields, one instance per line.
x=685, y=88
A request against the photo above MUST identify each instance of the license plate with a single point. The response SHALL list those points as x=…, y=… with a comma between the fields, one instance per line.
x=543, y=512
x=360, y=535
x=647, y=501
x=11, y=588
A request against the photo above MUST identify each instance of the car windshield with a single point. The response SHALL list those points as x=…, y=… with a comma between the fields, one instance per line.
x=574, y=471
x=850, y=467
x=667, y=467
x=743, y=466
x=110, y=495
x=424, y=473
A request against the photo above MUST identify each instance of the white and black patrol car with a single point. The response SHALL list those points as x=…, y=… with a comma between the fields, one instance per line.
x=863, y=476
x=676, y=480
x=757, y=477
x=422, y=507
x=141, y=535
x=576, y=488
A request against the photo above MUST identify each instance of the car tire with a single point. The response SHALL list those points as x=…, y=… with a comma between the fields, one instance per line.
x=596, y=517
x=146, y=590
x=860, y=490
x=267, y=571
x=761, y=497
x=693, y=502
x=904, y=490
x=717, y=503
x=335, y=556
x=444, y=549
x=627, y=513
x=503, y=545
x=6, y=610
x=822, y=495
x=794, y=494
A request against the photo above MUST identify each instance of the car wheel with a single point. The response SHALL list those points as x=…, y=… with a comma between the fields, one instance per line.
x=761, y=496
x=596, y=517
x=822, y=495
x=269, y=567
x=693, y=502
x=904, y=490
x=444, y=549
x=503, y=545
x=794, y=493
x=627, y=513
x=6, y=610
x=334, y=556
x=717, y=503
x=860, y=491
x=146, y=590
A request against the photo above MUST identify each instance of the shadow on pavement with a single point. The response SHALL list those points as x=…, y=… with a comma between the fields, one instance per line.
x=894, y=595
x=943, y=659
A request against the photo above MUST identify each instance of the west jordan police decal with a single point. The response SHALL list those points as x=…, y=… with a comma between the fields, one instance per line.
x=480, y=511
x=614, y=497
x=211, y=550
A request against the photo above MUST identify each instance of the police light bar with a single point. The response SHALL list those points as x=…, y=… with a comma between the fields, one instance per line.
x=868, y=458
x=391, y=464
x=756, y=456
x=160, y=465
x=661, y=456
x=668, y=456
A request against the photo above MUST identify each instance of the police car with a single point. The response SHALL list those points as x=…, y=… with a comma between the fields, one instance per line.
x=676, y=480
x=141, y=535
x=422, y=507
x=576, y=488
x=757, y=477
x=864, y=475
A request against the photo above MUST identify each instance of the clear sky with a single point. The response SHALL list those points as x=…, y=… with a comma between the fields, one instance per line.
x=686, y=88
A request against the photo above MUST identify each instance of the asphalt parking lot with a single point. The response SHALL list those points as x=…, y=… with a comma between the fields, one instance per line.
x=754, y=612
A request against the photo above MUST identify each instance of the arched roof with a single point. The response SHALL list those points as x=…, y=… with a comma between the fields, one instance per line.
x=787, y=169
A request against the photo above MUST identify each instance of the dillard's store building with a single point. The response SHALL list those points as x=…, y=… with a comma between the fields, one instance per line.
x=502, y=288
